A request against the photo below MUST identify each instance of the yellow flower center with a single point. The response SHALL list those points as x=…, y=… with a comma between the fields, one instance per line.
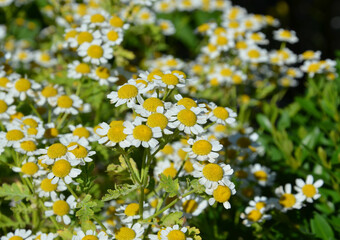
x=203, y=28
x=79, y=151
x=64, y=101
x=213, y=172
x=22, y=85
x=29, y=168
x=30, y=122
x=45, y=57
x=253, y=53
x=182, y=154
x=84, y=37
x=189, y=206
x=285, y=34
x=168, y=149
x=125, y=233
x=127, y=91
x=132, y=209
x=142, y=132
x=188, y=167
x=97, y=18
x=103, y=72
x=261, y=175
x=90, y=237
x=51, y=133
x=112, y=35
x=260, y=205
x=237, y=79
x=49, y=91
x=116, y=134
x=188, y=103
x=187, y=117
x=22, y=55
x=28, y=146
x=221, y=40
x=3, y=106
x=254, y=215
x=308, y=54
x=151, y=104
x=226, y=72
x=47, y=186
x=170, y=171
x=38, y=237
x=309, y=190
x=61, y=207
x=170, y=79
x=3, y=81
x=116, y=22
x=222, y=194
x=56, y=150
x=176, y=235
x=83, y=68
x=221, y=113
x=16, y=238
x=81, y=132
x=14, y=135
x=202, y=147
x=153, y=74
x=287, y=200
x=61, y=168
x=95, y=51
x=157, y=120
x=70, y=34
x=313, y=67
x=241, y=45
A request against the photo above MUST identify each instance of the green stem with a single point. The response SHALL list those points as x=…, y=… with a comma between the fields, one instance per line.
x=51, y=217
x=62, y=120
x=135, y=179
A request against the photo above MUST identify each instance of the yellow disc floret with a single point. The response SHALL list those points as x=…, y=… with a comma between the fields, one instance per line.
x=187, y=117
x=188, y=103
x=61, y=207
x=116, y=134
x=213, y=172
x=22, y=85
x=151, y=104
x=47, y=186
x=61, y=168
x=56, y=150
x=127, y=91
x=64, y=101
x=254, y=215
x=79, y=151
x=49, y=91
x=95, y=51
x=170, y=79
x=142, y=133
x=189, y=206
x=125, y=233
x=29, y=168
x=28, y=146
x=309, y=190
x=176, y=235
x=89, y=237
x=287, y=200
x=14, y=135
x=202, y=147
x=222, y=194
x=3, y=106
x=132, y=209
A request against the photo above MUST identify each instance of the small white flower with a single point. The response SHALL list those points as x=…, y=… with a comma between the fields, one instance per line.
x=95, y=52
x=61, y=208
x=308, y=190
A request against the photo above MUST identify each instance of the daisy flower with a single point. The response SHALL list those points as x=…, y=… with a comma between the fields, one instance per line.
x=27, y=146
x=104, y=75
x=90, y=234
x=128, y=213
x=145, y=16
x=49, y=94
x=260, y=203
x=252, y=215
x=18, y=233
x=113, y=134
x=170, y=80
x=117, y=23
x=61, y=208
x=62, y=169
x=174, y=233
x=51, y=133
x=287, y=82
x=312, y=67
x=222, y=193
x=45, y=187
x=262, y=175
x=167, y=27
x=212, y=174
x=67, y=104
x=187, y=120
x=83, y=35
x=127, y=93
x=164, y=6
x=310, y=55
x=221, y=115
x=167, y=168
x=257, y=38
x=83, y=132
x=112, y=36
x=23, y=87
x=78, y=69
x=160, y=119
x=54, y=152
x=211, y=50
x=44, y=59
x=253, y=54
x=95, y=52
x=223, y=41
x=287, y=200
x=29, y=168
x=97, y=19
x=129, y=231
x=140, y=134
x=285, y=36
x=192, y=206
x=6, y=110
x=23, y=56
x=202, y=149
x=308, y=190
x=148, y=106
x=12, y=136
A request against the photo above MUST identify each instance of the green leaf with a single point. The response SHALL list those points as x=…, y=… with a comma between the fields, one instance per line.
x=171, y=219
x=312, y=138
x=308, y=106
x=86, y=208
x=284, y=121
x=16, y=191
x=264, y=122
x=169, y=185
x=321, y=228
x=120, y=190
x=197, y=186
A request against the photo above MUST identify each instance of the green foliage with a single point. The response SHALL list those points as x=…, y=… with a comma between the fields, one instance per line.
x=15, y=191
x=172, y=219
x=169, y=185
x=120, y=190
x=86, y=210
